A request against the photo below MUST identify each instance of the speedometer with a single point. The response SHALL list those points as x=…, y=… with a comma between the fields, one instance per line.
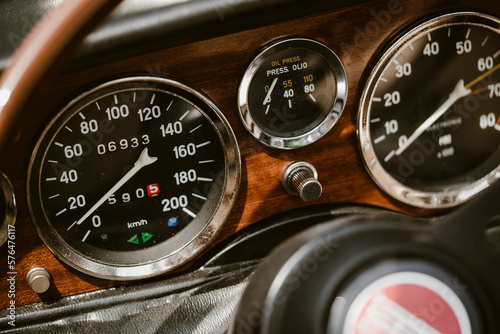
x=133, y=178
x=429, y=122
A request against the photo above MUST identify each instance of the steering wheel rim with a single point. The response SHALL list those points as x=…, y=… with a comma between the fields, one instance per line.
x=42, y=51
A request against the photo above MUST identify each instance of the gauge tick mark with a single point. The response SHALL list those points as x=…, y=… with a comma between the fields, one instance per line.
x=184, y=116
x=81, y=115
x=389, y=156
x=379, y=139
x=152, y=99
x=206, y=162
x=199, y=196
x=86, y=236
x=51, y=179
x=67, y=128
x=189, y=212
x=485, y=40
x=170, y=104
x=69, y=228
x=54, y=196
x=496, y=54
x=203, y=144
x=205, y=179
x=196, y=128
x=61, y=212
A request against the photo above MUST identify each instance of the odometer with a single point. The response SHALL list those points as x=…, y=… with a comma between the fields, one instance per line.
x=429, y=122
x=133, y=178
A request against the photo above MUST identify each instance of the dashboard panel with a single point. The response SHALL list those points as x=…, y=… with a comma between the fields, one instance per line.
x=358, y=34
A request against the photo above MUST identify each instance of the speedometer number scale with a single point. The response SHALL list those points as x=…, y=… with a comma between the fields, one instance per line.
x=429, y=123
x=128, y=177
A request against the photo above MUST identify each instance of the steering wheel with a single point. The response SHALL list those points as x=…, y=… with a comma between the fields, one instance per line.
x=42, y=51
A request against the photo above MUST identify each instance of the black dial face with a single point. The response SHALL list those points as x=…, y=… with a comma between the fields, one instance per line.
x=292, y=93
x=122, y=172
x=432, y=115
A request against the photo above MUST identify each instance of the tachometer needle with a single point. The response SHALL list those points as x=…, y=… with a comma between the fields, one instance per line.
x=143, y=161
x=458, y=92
x=268, y=96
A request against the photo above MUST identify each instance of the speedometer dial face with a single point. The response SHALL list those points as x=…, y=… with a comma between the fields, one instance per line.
x=133, y=178
x=429, y=122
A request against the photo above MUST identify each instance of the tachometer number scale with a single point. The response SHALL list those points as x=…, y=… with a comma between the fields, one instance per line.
x=430, y=123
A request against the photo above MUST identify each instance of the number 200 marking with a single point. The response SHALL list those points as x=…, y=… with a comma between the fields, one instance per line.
x=174, y=203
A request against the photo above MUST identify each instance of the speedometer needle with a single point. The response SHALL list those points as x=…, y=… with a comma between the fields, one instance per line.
x=143, y=161
x=458, y=92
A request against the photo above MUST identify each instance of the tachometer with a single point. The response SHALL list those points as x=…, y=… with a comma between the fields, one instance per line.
x=133, y=178
x=429, y=122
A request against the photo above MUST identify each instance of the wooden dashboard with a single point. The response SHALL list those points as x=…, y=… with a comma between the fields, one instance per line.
x=357, y=34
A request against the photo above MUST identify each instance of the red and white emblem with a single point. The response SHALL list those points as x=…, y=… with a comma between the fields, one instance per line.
x=410, y=303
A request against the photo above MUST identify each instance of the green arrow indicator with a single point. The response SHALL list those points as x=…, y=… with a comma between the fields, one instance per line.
x=134, y=240
x=146, y=236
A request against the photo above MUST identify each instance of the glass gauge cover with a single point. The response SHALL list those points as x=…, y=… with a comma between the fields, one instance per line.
x=133, y=178
x=292, y=93
x=429, y=122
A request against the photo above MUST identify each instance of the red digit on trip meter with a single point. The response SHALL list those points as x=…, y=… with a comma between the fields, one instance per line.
x=153, y=190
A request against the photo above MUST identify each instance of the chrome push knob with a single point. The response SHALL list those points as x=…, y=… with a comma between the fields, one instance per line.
x=38, y=280
x=300, y=178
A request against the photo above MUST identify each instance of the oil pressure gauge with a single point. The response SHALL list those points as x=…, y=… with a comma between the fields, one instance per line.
x=292, y=93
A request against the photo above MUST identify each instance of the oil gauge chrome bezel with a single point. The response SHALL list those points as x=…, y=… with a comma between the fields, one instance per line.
x=328, y=117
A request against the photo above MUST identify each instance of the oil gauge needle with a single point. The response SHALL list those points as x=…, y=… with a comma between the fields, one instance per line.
x=458, y=92
x=268, y=96
x=143, y=161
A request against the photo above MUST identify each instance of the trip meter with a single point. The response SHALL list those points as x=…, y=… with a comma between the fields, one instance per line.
x=429, y=122
x=133, y=178
x=292, y=93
